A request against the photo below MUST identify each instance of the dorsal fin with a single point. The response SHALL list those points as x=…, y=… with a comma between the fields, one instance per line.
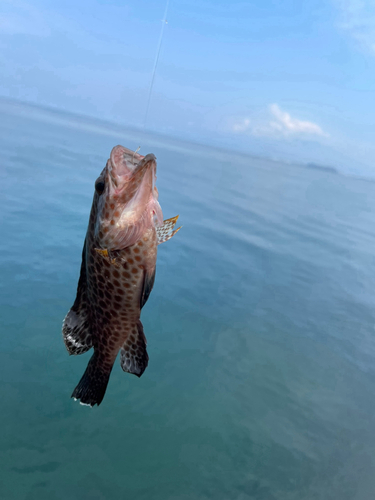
x=165, y=231
x=76, y=328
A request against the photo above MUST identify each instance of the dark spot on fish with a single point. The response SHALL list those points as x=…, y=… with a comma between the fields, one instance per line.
x=116, y=274
x=138, y=258
x=126, y=274
x=107, y=294
x=112, y=205
x=136, y=250
x=112, y=222
x=116, y=283
x=106, y=273
x=116, y=214
x=131, y=261
x=102, y=304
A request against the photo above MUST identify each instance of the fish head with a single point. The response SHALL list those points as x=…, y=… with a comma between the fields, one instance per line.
x=126, y=198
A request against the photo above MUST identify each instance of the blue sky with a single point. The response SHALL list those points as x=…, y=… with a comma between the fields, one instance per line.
x=292, y=80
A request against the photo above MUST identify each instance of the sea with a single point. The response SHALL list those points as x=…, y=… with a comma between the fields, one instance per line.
x=260, y=327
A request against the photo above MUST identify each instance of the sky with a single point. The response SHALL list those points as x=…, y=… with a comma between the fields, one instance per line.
x=287, y=80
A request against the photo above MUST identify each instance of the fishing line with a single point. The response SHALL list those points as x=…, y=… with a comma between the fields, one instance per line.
x=164, y=22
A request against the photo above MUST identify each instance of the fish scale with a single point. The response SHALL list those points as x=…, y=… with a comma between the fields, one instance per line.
x=117, y=272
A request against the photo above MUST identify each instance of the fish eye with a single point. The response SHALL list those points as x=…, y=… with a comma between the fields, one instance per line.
x=99, y=187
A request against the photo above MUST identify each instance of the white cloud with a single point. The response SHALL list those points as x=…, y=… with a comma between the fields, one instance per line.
x=277, y=123
x=357, y=18
x=288, y=125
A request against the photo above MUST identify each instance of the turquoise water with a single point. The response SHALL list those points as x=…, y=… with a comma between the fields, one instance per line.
x=260, y=327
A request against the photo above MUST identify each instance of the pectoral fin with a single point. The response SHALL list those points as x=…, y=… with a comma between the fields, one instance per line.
x=110, y=257
x=133, y=355
x=165, y=231
x=76, y=328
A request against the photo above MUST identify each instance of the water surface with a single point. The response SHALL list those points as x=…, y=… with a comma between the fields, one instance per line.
x=260, y=327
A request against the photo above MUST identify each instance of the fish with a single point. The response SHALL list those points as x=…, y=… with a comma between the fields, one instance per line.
x=117, y=271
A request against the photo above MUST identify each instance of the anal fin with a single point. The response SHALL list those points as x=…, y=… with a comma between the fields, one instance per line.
x=133, y=355
x=165, y=231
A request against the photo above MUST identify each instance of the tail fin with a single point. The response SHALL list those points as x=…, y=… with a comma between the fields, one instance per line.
x=92, y=386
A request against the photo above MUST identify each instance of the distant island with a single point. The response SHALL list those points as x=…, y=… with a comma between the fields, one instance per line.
x=322, y=167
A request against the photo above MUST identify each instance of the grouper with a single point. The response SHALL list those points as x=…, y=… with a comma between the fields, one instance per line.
x=117, y=271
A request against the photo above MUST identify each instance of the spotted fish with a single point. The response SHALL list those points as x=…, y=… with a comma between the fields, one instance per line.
x=117, y=271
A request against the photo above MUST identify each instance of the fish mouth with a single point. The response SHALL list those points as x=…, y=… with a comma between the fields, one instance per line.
x=127, y=167
x=130, y=202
